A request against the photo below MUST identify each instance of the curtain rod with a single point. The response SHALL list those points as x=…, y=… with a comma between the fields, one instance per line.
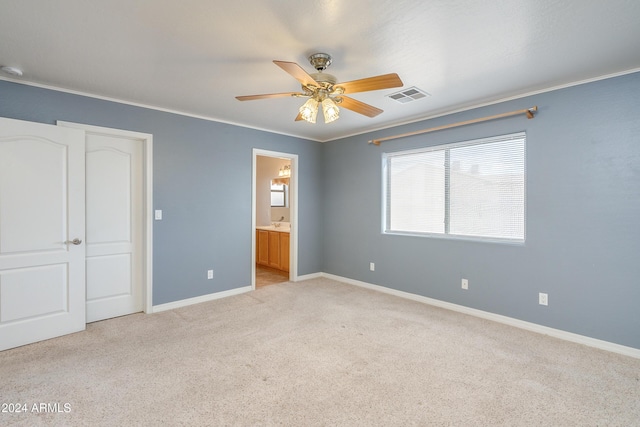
x=528, y=111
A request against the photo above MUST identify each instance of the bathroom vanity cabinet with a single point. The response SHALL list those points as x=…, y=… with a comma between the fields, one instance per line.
x=272, y=249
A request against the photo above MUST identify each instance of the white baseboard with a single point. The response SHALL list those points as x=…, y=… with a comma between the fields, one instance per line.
x=197, y=300
x=309, y=276
x=533, y=327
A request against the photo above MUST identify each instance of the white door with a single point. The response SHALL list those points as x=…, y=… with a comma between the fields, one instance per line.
x=42, y=270
x=115, y=201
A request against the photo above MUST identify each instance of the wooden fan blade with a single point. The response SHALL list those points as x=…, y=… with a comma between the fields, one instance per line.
x=384, y=81
x=359, y=107
x=297, y=72
x=266, y=96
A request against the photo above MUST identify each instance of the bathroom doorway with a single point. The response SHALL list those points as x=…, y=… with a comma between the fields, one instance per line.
x=274, y=218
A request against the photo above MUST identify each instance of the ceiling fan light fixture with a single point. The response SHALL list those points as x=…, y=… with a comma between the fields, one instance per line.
x=309, y=110
x=322, y=88
x=330, y=110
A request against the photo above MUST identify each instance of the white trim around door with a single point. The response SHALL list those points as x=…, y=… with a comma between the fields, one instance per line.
x=147, y=255
x=293, y=191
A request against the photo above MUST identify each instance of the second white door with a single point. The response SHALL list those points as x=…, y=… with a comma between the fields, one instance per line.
x=114, y=229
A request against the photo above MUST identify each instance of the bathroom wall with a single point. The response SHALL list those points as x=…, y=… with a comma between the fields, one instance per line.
x=266, y=169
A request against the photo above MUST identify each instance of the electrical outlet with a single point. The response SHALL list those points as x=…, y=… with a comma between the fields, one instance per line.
x=543, y=299
x=372, y=266
x=209, y=274
x=465, y=284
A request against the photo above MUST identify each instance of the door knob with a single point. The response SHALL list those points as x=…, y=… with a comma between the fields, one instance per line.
x=75, y=241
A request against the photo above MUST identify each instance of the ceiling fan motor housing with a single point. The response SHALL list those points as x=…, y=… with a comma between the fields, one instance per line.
x=325, y=78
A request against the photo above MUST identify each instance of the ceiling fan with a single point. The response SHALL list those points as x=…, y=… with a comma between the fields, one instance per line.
x=323, y=90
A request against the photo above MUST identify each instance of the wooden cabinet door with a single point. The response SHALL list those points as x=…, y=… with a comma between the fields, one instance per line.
x=274, y=249
x=262, y=243
x=284, y=251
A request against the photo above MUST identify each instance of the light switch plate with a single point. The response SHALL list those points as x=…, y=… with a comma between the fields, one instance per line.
x=158, y=214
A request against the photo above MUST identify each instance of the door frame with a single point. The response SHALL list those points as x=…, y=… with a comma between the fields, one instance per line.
x=293, y=211
x=147, y=208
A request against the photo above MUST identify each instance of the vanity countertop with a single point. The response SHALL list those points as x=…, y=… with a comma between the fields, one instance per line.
x=284, y=228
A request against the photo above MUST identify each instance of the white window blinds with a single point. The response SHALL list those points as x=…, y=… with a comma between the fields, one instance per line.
x=472, y=189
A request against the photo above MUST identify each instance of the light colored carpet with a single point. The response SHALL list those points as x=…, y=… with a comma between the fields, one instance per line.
x=317, y=353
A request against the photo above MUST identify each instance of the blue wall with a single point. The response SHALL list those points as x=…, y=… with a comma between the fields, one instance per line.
x=583, y=205
x=583, y=216
x=202, y=182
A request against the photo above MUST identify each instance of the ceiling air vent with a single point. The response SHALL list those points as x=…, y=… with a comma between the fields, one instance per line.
x=408, y=95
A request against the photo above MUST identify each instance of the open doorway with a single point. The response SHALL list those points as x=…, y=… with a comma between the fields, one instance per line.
x=274, y=219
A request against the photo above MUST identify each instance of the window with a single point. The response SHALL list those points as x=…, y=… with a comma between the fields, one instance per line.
x=473, y=189
x=278, y=195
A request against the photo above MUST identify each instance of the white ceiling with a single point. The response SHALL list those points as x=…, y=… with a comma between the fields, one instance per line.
x=195, y=56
